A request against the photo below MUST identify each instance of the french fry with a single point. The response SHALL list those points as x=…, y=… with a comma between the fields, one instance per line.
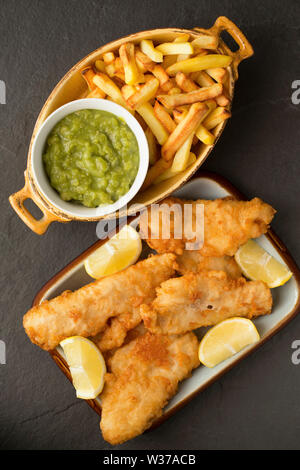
x=127, y=91
x=182, y=38
x=218, y=74
x=140, y=65
x=163, y=116
x=192, y=159
x=182, y=57
x=144, y=78
x=120, y=75
x=202, y=94
x=144, y=94
x=204, y=135
x=211, y=104
x=178, y=118
x=105, y=84
x=179, y=115
x=144, y=61
x=204, y=80
x=96, y=93
x=174, y=91
x=183, y=108
x=174, y=48
x=215, y=117
x=100, y=66
x=169, y=60
x=166, y=87
x=205, y=42
x=169, y=173
x=222, y=100
x=157, y=70
x=148, y=48
x=164, y=79
x=169, y=111
x=153, y=173
x=147, y=113
x=108, y=57
x=202, y=52
x=118, y=64
x=110, y=69
x=153, y=154
x=186, y=127
x=148, y=76
x=201, y=133
x=182, y=155
x=200, y=63
x=127, y=57
x=88, y=74
x=185, y=83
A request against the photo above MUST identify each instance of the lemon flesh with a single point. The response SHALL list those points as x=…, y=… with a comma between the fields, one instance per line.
x=258, y=265
x=86, y=365
x=226, y=339
x=122, y=250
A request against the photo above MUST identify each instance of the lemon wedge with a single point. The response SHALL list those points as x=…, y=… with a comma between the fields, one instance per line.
x=122, y=250
x=226, y=339
x=258, y=265
x=86, y=364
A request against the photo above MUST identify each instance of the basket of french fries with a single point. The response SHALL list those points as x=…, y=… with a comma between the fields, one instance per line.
x=179, y=85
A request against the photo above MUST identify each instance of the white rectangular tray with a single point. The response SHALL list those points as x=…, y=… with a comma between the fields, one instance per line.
x=286, y=298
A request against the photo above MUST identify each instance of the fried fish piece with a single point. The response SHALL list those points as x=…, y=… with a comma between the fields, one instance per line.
x=144, y=375
x=193, y=261
x=86, y=311
x=115, y=332
x=203, y=299
x=131, y=334
x=228, y=224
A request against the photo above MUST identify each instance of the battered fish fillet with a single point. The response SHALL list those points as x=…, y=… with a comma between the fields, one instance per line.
x=115, y=332
x=86, y=311
x=193, y=261
x=130, y=335
x=144, y=376
x=194, y=300
x=228, y=223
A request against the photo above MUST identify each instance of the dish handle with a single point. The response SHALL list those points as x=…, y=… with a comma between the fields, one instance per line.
x=245, y=49
x=17, y=202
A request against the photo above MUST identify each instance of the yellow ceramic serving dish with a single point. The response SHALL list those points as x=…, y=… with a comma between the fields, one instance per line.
x=72, y=86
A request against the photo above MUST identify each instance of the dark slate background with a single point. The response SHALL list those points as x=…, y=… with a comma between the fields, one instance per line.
x=256, y=405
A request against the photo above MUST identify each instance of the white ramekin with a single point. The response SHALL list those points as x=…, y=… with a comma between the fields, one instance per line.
x=41, y=179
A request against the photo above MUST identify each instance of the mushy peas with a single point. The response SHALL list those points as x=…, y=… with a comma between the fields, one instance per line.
x=91, y=157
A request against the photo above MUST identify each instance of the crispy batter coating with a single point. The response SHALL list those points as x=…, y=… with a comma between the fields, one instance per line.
x=193, y=261
x=228, y=223
x=144, y=375
x=131, y=334
x=115, y=332
x=194, y=300
x=86, y=311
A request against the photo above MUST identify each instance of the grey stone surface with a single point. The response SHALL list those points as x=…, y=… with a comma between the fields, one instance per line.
x=256, y=405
